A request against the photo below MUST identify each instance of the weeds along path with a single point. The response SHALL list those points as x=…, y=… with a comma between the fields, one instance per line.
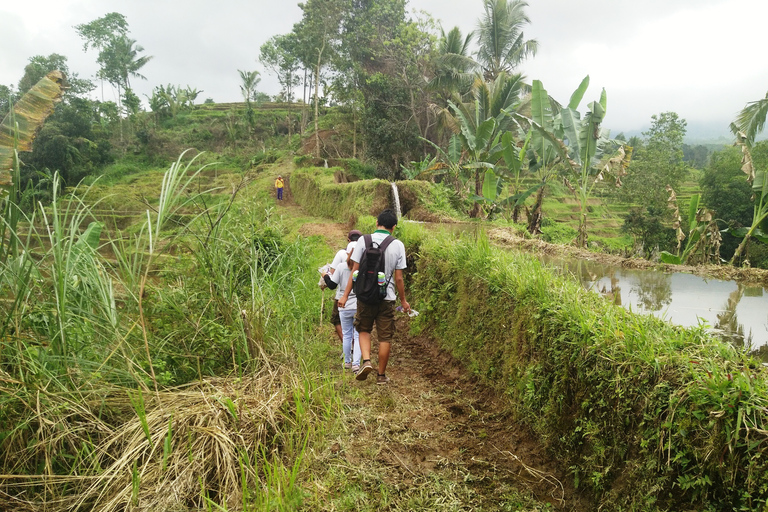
x=435, y=434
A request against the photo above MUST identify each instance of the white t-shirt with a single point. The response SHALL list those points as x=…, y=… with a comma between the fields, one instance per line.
x=394, y=259
x=341, y=278
x=341, y=257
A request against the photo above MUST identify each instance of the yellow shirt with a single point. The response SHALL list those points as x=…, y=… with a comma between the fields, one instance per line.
x=278, y=183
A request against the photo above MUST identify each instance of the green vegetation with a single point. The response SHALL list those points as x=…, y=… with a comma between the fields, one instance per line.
x=161, y=335
x=644, y=414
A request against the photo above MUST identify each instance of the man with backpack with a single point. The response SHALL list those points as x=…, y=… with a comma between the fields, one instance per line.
x=379, y=259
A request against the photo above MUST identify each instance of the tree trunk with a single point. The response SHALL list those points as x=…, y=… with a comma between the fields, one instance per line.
x=534, y=219
x=581, y=241
x=354, y=134
x=476, y=210
x=317, y=103
x=740, y=248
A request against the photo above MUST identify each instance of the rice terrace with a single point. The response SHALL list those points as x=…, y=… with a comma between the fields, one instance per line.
x=580, y=316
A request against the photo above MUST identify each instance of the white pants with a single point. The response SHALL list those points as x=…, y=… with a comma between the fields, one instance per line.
x=350, y=336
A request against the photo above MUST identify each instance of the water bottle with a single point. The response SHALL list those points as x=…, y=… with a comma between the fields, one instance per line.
x=354, y=276
x=382, y=279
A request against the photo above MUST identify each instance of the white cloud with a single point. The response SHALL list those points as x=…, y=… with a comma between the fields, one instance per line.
x=700, y=58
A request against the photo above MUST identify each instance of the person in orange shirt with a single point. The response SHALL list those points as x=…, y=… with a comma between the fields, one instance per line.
x=279, y=187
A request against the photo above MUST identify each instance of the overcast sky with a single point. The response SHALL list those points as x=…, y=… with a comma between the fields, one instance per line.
x=704, y=59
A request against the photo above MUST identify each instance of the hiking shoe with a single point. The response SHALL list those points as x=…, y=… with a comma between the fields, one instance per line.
x=355, y=368
x=364, y=370
x=347, y=366
x=382, y=379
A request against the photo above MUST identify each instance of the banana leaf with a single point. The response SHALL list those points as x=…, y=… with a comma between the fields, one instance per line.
x=21, y=125
x=742, y=232
x=491, y=185
x=667, y=257
x=518, y=199
x=578, y=94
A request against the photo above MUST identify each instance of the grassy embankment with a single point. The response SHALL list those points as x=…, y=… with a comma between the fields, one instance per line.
x=647, y=416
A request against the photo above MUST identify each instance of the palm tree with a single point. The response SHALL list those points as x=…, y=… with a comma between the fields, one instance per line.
x=500, y=35
x=454, y=67
x=120, y=61
x=250, y=81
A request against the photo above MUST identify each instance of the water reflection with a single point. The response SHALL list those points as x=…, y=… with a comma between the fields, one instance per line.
x=732, y=309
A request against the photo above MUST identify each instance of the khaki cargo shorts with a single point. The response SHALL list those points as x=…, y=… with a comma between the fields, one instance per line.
x=335, y=318
x=382, y=314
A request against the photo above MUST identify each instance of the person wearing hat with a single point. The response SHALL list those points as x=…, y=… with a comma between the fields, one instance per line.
x=279, y=187
x=343, y=320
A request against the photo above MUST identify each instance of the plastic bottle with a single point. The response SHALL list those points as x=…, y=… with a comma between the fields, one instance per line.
x=382, y=279
x=354, y=276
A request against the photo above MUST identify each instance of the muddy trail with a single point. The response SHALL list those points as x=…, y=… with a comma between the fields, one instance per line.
x=435, y=419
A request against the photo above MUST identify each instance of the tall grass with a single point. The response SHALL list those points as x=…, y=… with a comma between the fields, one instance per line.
x=86, y=337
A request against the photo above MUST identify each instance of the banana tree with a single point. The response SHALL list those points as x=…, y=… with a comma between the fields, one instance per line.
x=481, y=122
x=759, y=180
x=580, y=145
x=703, y=234
x=17, y=131
x=588, y=146
x=509, y=170
x=544, y=145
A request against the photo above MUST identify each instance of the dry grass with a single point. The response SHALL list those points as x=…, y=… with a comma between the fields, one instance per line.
x=208, y=441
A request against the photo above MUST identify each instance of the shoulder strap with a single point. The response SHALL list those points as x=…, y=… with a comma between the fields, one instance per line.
x=385, y=243
x=368, y=242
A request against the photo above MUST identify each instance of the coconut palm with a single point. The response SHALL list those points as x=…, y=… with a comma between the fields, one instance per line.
x=454, y=67
x=500, y=37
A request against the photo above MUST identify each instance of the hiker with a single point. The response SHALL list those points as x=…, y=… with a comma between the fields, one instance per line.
x=342, y=256
x=351, y=338
x=374, y=310
x=279, y=187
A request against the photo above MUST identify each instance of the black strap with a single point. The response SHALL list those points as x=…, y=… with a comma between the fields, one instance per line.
x=383, y=245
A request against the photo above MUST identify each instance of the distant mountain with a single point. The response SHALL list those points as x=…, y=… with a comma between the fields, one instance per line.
x=697, y=133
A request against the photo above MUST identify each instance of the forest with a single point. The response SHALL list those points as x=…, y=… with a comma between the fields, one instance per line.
x=164, y=344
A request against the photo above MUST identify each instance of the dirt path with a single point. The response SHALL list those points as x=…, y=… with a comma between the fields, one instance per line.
x=436, y=419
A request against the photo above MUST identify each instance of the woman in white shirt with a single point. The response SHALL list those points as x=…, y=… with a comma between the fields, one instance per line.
x=350, y=336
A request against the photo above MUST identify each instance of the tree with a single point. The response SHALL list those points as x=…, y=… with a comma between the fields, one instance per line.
x=502, y=44
x=724, y=190
x=118, y=54
x=6, y=95
x=319, y=32
x=747, y=125
x=278, y=55
x=39, y=66
x=751, y=121
x=657, y=163
x=250, y=79
x=386, y=57
x=757, y=176
x=454, y=67
x=481, y=122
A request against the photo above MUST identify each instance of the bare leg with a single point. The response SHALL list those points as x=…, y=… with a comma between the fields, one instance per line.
x=365, y=345
x=340, y=332
x=383, y=356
